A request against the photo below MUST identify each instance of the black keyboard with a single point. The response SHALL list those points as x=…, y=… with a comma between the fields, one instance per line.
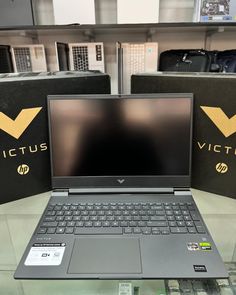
x=121, y=218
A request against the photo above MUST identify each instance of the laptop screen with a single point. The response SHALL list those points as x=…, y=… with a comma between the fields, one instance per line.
x=144, y=136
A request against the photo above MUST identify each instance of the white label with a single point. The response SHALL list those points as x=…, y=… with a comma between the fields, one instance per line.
x=45, y=254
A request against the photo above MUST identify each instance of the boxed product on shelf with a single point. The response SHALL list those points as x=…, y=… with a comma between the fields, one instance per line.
x=214, y=126
x=6, y=65
x=24, y=154
x=73, y=11
x=86, y=56
x=217, y=11
x=16, y=13
x=29, y=58
x=136, y=58
x=172, y=11
x=137, y=11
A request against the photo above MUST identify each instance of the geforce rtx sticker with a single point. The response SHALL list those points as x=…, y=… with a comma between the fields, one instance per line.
x=46, y=254
x=205, y=246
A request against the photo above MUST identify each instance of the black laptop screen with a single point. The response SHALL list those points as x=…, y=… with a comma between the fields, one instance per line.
x=127, y=137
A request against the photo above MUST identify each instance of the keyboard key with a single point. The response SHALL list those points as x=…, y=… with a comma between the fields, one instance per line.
x=97, y=224
x=114, y=223
x=50, y=213
x=132, y=223
x=192, y=230
x=98, y=231
x=157, y=223
x=60, y=213
x=69, y=230
x=172, y=223
x=156, y=232
x=68, y=218
x=157, y=218
x=165, y=231
x=88, y=224
x=142, y=223
x=194, y=215
x=76, y=218
x=145, y=218
x=179, y=218
x=70, y=223
x=60, y=230
x=160, y=213
x=136, y=218
x=49, y=218
x=110, y=218
x=62, y=224
x=170, y=218
x=189, y=223
x=124, y=223
x=51, y=230
x=59, y=218
x=102, y=218
x=85, y=218
x=106, y=223
x=137, y=230
x=146, y=230
x=80, y=223
x=178, y=230
x=94, y=218
x=180, y=223
x=42, y=230
x=187, y=218
x=169, y=212
x=49, y=224
x=128, y=230
x=57, y=208
x=200, y=229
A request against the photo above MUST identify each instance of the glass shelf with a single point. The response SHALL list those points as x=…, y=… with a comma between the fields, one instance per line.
x=18, y=220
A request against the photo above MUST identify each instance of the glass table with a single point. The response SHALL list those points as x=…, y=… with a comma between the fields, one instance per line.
x=18, y=220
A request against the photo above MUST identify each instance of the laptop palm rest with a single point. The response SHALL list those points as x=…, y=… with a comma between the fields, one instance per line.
x=103, y=255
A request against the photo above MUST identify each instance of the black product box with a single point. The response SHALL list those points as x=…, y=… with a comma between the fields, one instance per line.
x=24, y=145
x=214, y=130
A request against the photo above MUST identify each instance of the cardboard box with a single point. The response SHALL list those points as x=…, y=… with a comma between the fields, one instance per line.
x=24, y=148
x=214, y=132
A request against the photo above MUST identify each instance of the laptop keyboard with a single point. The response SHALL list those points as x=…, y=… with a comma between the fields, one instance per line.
x=121, y=218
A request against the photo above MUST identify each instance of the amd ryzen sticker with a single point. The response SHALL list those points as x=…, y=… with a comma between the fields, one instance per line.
x=205, y=246
x=45, y=254
x=193, y=246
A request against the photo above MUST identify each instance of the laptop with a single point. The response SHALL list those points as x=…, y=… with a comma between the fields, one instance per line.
x=121, y=207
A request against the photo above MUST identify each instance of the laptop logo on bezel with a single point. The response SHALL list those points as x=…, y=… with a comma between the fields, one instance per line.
x=121, y=180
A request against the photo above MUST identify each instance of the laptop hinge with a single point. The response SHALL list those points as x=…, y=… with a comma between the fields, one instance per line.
x=60, y=193
x=182, y=192
x=124, y=190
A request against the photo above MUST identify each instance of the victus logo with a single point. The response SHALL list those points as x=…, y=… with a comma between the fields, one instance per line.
x=23, y=169
x=226, y=125
x=120, y=180
x=16, y=127
x=222, y=168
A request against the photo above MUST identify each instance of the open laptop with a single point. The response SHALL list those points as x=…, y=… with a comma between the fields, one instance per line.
x=121, y=205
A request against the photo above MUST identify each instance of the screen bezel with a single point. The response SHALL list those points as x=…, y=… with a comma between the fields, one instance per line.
x=121, y=181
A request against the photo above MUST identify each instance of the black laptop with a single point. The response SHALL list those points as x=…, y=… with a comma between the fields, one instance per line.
x=121, y=207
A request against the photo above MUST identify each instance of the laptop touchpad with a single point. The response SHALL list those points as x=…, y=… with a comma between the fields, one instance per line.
x=92, y=255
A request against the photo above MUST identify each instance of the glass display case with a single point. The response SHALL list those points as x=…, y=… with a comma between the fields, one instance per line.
x=18, y=220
